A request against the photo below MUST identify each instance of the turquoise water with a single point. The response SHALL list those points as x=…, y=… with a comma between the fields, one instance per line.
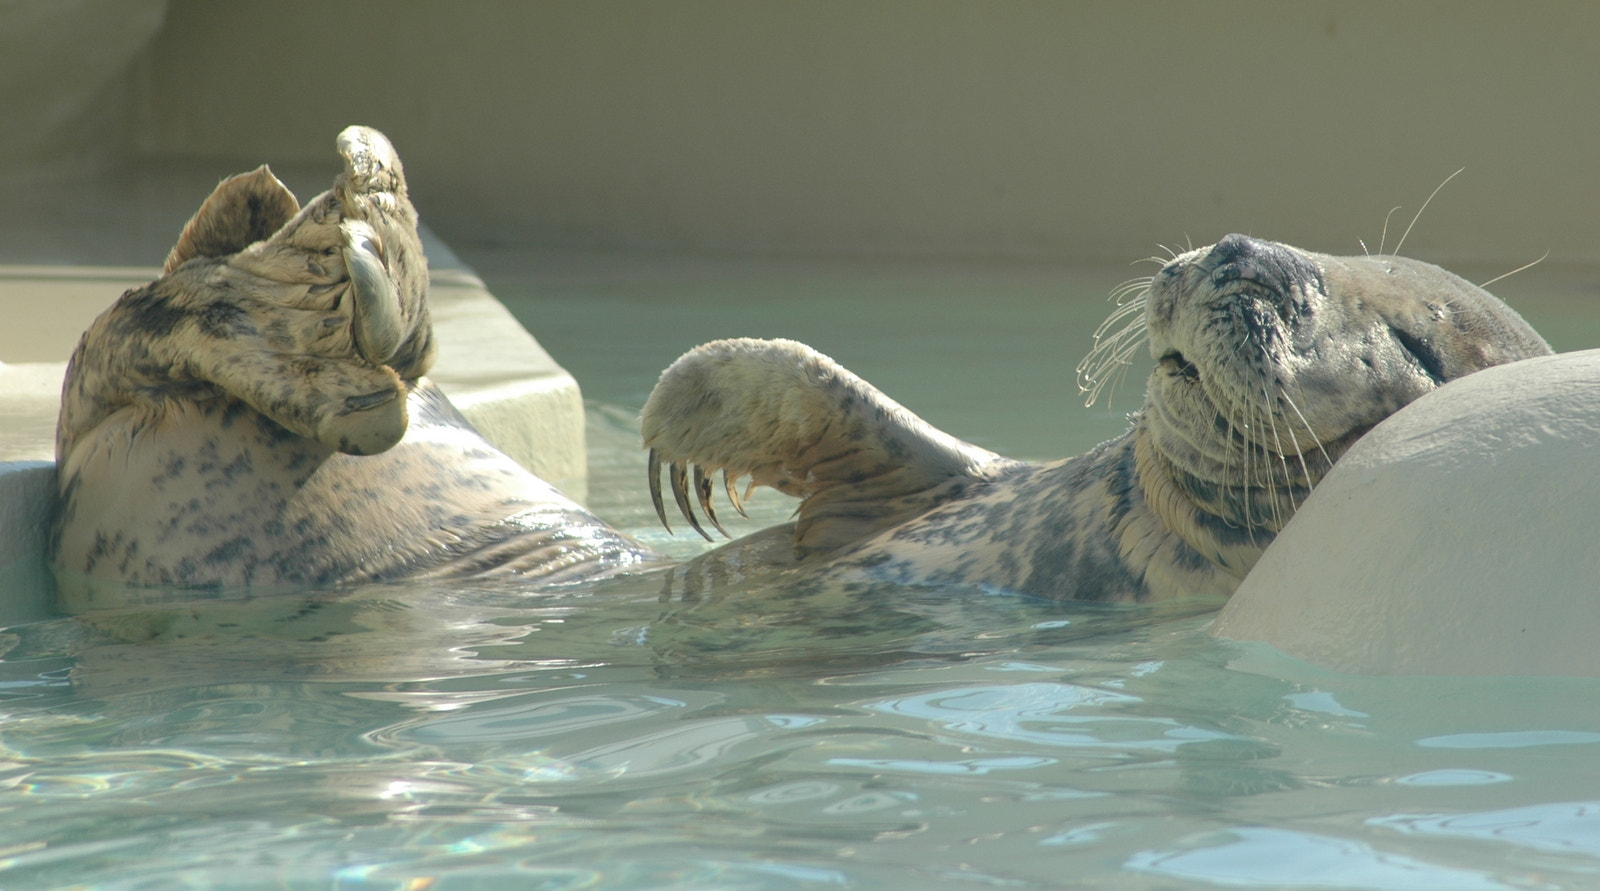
x=484, y=736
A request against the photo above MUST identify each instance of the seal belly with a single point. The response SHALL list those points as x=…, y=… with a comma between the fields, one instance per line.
x=212, y=494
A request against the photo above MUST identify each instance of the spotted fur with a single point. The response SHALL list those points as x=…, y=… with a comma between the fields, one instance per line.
x=258, y=416
x=1271, y=361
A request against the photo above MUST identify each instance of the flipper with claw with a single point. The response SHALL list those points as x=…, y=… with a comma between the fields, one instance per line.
x=314, y=316
x=791, y=418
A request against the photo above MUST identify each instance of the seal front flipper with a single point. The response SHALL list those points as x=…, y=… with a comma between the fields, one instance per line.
x=791, y=418
x=347, y=280
x=383, y=254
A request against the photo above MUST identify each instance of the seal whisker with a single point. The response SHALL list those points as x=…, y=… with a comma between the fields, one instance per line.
x=1524, y=266
x=1383, y=237
x=1436, y=190
x=1300, y=455
x=1237, y=445
x=1277, y=445
x=1263, y=475
x=1315, y=439
x=1116, y=339
x=1131, y=286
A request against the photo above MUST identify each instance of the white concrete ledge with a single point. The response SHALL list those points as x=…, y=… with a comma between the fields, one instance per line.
x=505, y=383
x=493, y=370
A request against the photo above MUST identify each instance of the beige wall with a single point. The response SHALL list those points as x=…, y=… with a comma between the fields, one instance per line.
x=1074, y=129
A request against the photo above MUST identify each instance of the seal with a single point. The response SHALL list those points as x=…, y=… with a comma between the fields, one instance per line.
x=259, y=416
x=1270, y=362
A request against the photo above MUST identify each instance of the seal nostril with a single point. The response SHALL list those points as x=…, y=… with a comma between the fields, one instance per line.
x=1232, y=247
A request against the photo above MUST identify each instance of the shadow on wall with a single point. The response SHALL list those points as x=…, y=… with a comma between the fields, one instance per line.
x=920, y=127
x=64, y=81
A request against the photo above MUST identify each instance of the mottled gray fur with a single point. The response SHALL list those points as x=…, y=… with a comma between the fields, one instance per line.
x=258, y=415
x=1270, y=362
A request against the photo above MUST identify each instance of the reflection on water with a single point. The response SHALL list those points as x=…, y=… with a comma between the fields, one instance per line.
x=1278, y=858
x=1561, y=827
x=484, y=736
x=605, y=736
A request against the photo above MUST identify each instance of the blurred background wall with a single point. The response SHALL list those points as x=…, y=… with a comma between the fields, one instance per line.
x=1000, y=128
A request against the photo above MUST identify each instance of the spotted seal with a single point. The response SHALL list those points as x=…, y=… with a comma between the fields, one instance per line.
x=258, y=415
x=1270, y=362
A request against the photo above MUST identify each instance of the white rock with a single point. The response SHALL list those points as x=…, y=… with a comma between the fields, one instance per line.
x=1460, y=536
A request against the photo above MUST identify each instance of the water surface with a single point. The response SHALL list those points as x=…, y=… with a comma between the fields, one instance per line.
x=483, y=735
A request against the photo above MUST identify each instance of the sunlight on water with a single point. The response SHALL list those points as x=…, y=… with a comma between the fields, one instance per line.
x=478, y=736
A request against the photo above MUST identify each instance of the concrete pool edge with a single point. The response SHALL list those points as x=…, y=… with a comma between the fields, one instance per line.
x=493, y=369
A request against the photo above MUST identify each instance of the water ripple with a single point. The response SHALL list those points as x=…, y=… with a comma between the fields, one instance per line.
x=1514, y=739
x=1047, y=714
x=1257, y=857
x=1568, y=827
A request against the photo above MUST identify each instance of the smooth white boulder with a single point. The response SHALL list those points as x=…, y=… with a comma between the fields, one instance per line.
x=1460, y=537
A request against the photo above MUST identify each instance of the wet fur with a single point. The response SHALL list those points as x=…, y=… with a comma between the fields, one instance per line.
x=258, y=416
x=1271, y=361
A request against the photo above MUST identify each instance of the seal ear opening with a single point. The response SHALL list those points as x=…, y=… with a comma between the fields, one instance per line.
x=242, y=210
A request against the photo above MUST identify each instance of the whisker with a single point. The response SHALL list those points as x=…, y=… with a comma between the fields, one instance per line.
x=1424, y=207
x=1258, y=480
x=1131, y=286
x=1243, y=450
x=1116, y=340
x=1249, y=483
x=1298, y=453
x=1383, y=238
x=1277, y=445
x=1316, y=440
x=1517, y=270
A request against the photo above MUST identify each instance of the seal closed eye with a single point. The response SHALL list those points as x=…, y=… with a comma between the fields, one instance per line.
x=1270, y=362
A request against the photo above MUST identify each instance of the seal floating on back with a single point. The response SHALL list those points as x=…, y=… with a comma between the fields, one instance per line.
x=1270, y=362
x=258, y=415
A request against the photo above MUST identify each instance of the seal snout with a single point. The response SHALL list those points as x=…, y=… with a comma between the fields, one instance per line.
x=1242, y=258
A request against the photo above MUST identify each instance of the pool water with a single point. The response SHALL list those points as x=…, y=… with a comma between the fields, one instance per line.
x=481, y=735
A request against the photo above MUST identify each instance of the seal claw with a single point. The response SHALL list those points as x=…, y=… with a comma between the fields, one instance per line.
x=733, y=493
x=702, y=488
x=379, y=328
x=678, y=476
x=654, y=474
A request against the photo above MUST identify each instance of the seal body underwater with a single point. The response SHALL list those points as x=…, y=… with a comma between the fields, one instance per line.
x=1270, y=362
x=259, y=416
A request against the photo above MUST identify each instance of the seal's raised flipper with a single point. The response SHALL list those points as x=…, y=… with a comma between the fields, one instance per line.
x=313, y=316
x=791, y=418
x=242, y=210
